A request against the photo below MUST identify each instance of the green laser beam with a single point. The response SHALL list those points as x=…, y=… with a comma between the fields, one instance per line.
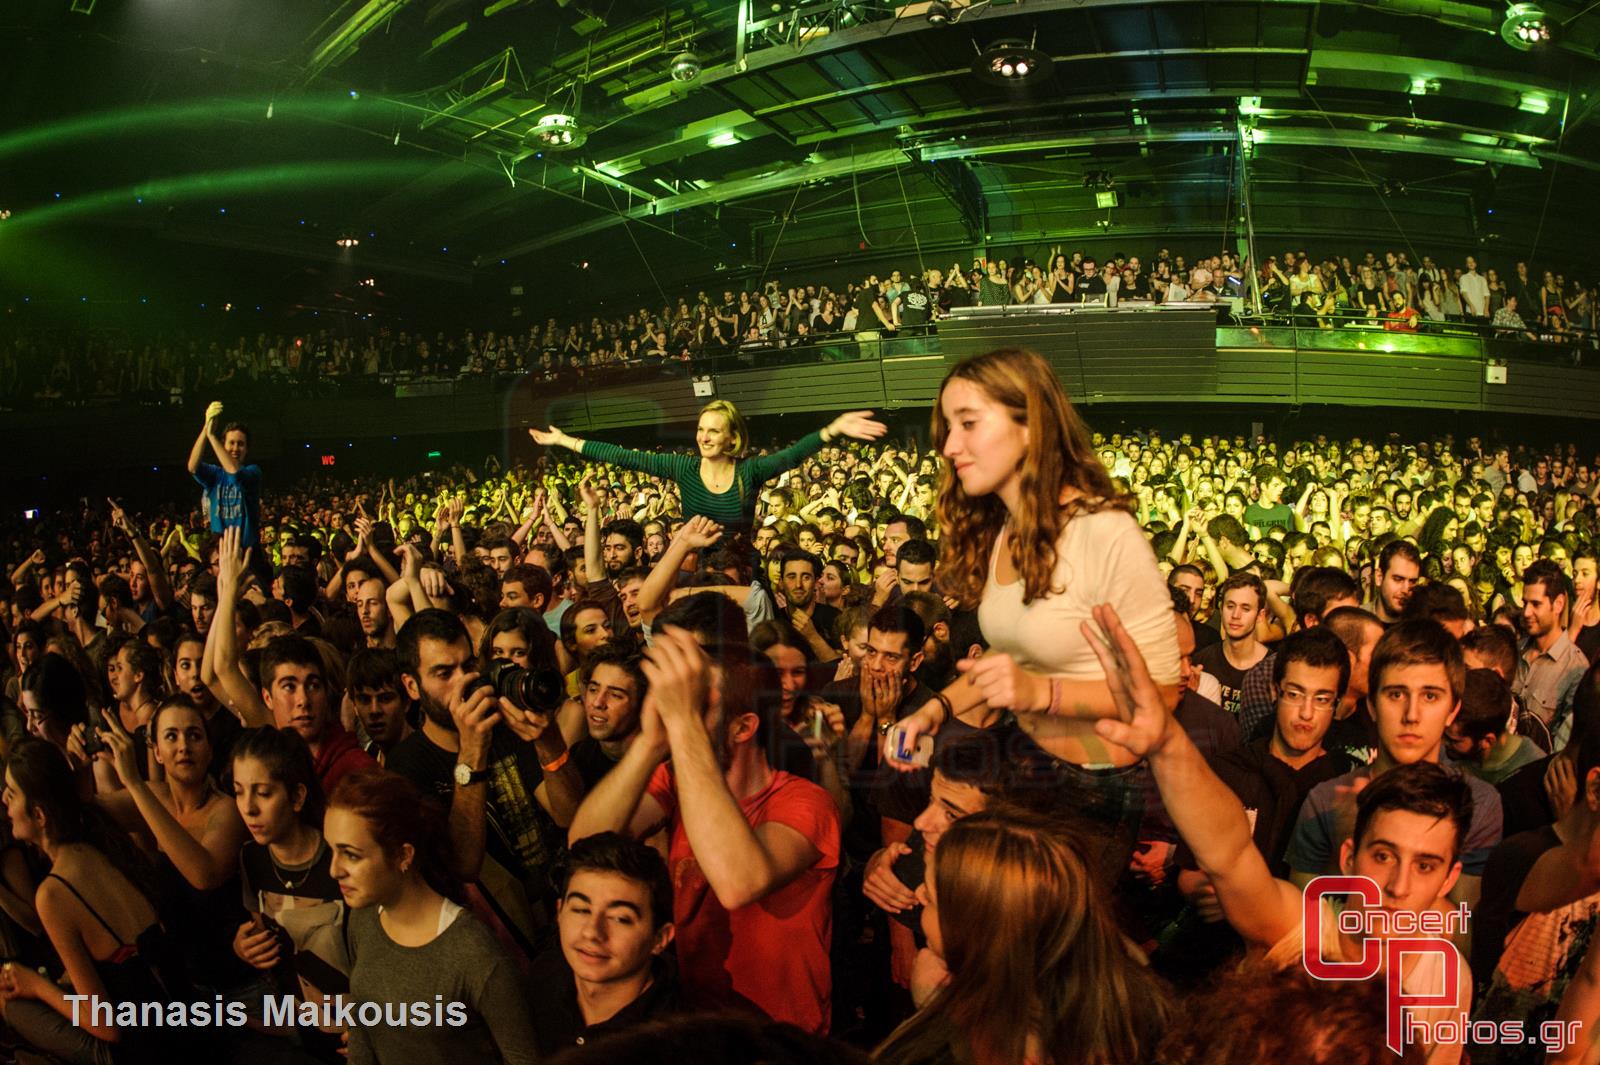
x=162, y=118
x=218, y=183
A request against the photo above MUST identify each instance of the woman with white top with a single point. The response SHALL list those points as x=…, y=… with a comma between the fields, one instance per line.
x=1034, y=535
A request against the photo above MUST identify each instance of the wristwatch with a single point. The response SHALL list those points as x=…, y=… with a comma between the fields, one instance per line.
x=465, y=776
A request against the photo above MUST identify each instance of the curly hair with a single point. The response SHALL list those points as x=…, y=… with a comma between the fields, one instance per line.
x=1059, y=456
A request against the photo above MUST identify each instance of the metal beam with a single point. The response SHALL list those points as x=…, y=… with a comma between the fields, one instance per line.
x=344, y=41
x=1393, y=142
x=722, y=192
x=748, y=61
x=971, y=149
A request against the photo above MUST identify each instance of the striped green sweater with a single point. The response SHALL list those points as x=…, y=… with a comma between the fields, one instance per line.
x=734, y=509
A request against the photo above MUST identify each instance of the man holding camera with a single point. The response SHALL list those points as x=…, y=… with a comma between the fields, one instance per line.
x=503, y=786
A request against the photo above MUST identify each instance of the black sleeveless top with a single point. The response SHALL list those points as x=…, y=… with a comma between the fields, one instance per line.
x=138, y=972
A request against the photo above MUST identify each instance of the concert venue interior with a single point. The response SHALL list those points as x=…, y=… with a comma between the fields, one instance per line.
x=814, y=530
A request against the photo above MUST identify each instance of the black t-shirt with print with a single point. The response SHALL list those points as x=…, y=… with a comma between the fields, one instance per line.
x=1214, y=660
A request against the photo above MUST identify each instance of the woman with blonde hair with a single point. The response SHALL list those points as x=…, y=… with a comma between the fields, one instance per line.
x=1024, y=963
x=721, y=483
x=1033, y=534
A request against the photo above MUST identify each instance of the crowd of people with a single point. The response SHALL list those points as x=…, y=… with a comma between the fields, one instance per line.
x=1372, y=290
x=1015, y=744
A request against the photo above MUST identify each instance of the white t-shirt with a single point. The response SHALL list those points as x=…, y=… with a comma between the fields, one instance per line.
x=1100, y=558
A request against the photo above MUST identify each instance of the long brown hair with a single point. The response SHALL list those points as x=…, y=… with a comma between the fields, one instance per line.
x=1032, y=949
x=1059, y=455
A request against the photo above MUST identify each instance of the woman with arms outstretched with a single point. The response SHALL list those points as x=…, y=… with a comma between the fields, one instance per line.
x=719, y=483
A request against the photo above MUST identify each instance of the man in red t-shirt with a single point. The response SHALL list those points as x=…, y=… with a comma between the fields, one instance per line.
x=753, y=850
x=1402, y=317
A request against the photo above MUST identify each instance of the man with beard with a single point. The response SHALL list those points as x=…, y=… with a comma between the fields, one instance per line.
x=815, y=621
x=621, y=547
x=753, y=850
x=486, y=776
x=373, y=614
x=1399, y=568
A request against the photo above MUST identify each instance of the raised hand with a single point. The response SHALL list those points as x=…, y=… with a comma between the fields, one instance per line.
x=120, y=749
x=213, y=411
x=535, y=509
x=435, y=585
x=119, y=518
x=589, y=493
x=699, y=532
x=231, y=562
x=410, y=561
x=548, y=437
x=858, y=425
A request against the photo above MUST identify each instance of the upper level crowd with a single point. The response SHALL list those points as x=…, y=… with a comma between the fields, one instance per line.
x=1006, y=747
x=1372, y=290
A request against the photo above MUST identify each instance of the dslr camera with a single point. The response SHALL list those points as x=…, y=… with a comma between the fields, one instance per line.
x=541, y=690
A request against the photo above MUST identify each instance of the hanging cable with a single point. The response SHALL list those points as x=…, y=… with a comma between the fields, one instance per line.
x=922, y=267
x=860, y=226
x=779, y=238
x=627, y=227
x=1555, y=164
x=1367, y=177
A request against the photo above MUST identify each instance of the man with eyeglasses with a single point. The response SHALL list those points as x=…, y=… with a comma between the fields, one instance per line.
x=1273, y=775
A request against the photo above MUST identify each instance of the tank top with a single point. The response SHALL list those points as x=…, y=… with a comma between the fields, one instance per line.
x=133, y=974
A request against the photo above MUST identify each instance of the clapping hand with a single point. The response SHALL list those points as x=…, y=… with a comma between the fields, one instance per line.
x=213, y=412
x=678, y=672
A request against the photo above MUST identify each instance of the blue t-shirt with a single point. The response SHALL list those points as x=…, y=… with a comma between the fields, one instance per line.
x=233, y=499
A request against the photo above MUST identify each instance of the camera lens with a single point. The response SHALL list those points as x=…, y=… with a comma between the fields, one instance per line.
x=540, y=690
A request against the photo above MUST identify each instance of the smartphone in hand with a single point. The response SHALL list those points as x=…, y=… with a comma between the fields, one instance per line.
x=900, y=751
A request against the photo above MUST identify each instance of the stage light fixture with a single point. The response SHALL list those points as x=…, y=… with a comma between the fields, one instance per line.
x=1526, y=26
x=1011, y=62
x=347, y=240
x=686, y=67
x=558, y=133
x=938, y=13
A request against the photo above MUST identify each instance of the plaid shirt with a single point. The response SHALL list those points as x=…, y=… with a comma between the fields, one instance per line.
x=1258, y=699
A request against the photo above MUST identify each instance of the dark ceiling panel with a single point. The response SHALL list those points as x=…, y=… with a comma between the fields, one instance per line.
x=1180, y=26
